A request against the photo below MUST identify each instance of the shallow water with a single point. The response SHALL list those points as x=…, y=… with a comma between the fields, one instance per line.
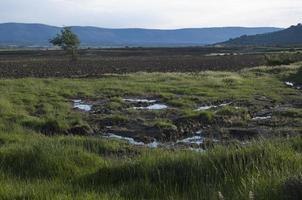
x=262, y=117
x=291, y=84
x=207, y=107
x=192, y=140
x=155, y=144
x=157, y=107
x=128, y=139
x=78, y=104
x=153, y=107
x=140, y=100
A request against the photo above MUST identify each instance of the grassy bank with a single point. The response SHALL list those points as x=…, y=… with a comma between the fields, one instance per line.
x=37, y=167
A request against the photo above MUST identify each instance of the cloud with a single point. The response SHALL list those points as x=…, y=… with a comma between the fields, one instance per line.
x=155, y=13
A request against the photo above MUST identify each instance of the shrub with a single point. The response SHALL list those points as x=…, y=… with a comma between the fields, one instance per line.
x=279, y=59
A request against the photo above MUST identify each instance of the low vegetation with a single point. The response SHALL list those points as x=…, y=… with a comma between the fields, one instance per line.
x=42, y=158
x=34, y=166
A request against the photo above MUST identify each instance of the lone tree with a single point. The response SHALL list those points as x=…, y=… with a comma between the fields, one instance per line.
x=68, y=41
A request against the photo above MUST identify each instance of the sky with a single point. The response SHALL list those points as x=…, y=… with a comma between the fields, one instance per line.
x=162, y=14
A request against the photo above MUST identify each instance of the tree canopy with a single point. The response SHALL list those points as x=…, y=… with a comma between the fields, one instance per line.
x=67, y=40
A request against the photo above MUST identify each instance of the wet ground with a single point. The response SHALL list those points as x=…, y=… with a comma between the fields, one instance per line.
x=147, y=121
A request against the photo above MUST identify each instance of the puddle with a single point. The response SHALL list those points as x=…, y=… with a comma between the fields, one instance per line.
x=192, y=140
x=151, y=104
x=207, y=107
x=225, y=104
x=290, y=84
x=217, y=54
x=154, y=144
x=79, y=104
x=157, y=107
x=262, y=117
x=197, y=140
x=153, y=107
x=129, y=140
x=140, y=100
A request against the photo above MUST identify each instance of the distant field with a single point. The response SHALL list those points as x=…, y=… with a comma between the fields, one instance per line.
x=94, y=63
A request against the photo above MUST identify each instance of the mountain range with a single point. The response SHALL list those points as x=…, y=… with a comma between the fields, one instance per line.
x=20, y=34
x=291, y=36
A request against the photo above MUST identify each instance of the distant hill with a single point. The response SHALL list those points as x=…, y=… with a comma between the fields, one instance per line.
x=38, y=35
x=287, y=37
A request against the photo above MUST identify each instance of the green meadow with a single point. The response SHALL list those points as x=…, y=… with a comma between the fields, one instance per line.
x=37, y=165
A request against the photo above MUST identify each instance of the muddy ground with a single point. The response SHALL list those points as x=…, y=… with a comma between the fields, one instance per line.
x=156, y=118
x=245, y=120
x=95, y=63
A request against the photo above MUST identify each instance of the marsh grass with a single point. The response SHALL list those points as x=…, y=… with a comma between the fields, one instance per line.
x=45, y=104
x=35, y=166
x=62, y=167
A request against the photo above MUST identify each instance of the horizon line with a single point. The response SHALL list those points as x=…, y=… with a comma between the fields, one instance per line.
x=180, y=28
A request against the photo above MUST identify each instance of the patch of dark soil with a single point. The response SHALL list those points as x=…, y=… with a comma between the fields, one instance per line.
x=258, y=118
x=187, y=126
x=51, y=127
x=80, y=130
x=55, y=64
x=245, y=133
x=292, y=188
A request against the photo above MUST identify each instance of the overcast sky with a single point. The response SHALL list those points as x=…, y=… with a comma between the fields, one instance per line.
x=166, y=14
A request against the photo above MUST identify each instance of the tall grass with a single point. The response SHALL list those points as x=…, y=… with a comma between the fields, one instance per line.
x=37, y=167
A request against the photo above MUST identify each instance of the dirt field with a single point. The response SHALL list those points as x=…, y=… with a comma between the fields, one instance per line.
x=94, y=63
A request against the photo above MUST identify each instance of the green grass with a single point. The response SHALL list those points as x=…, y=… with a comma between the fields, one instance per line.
x=41, y=104
x=33, y=166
